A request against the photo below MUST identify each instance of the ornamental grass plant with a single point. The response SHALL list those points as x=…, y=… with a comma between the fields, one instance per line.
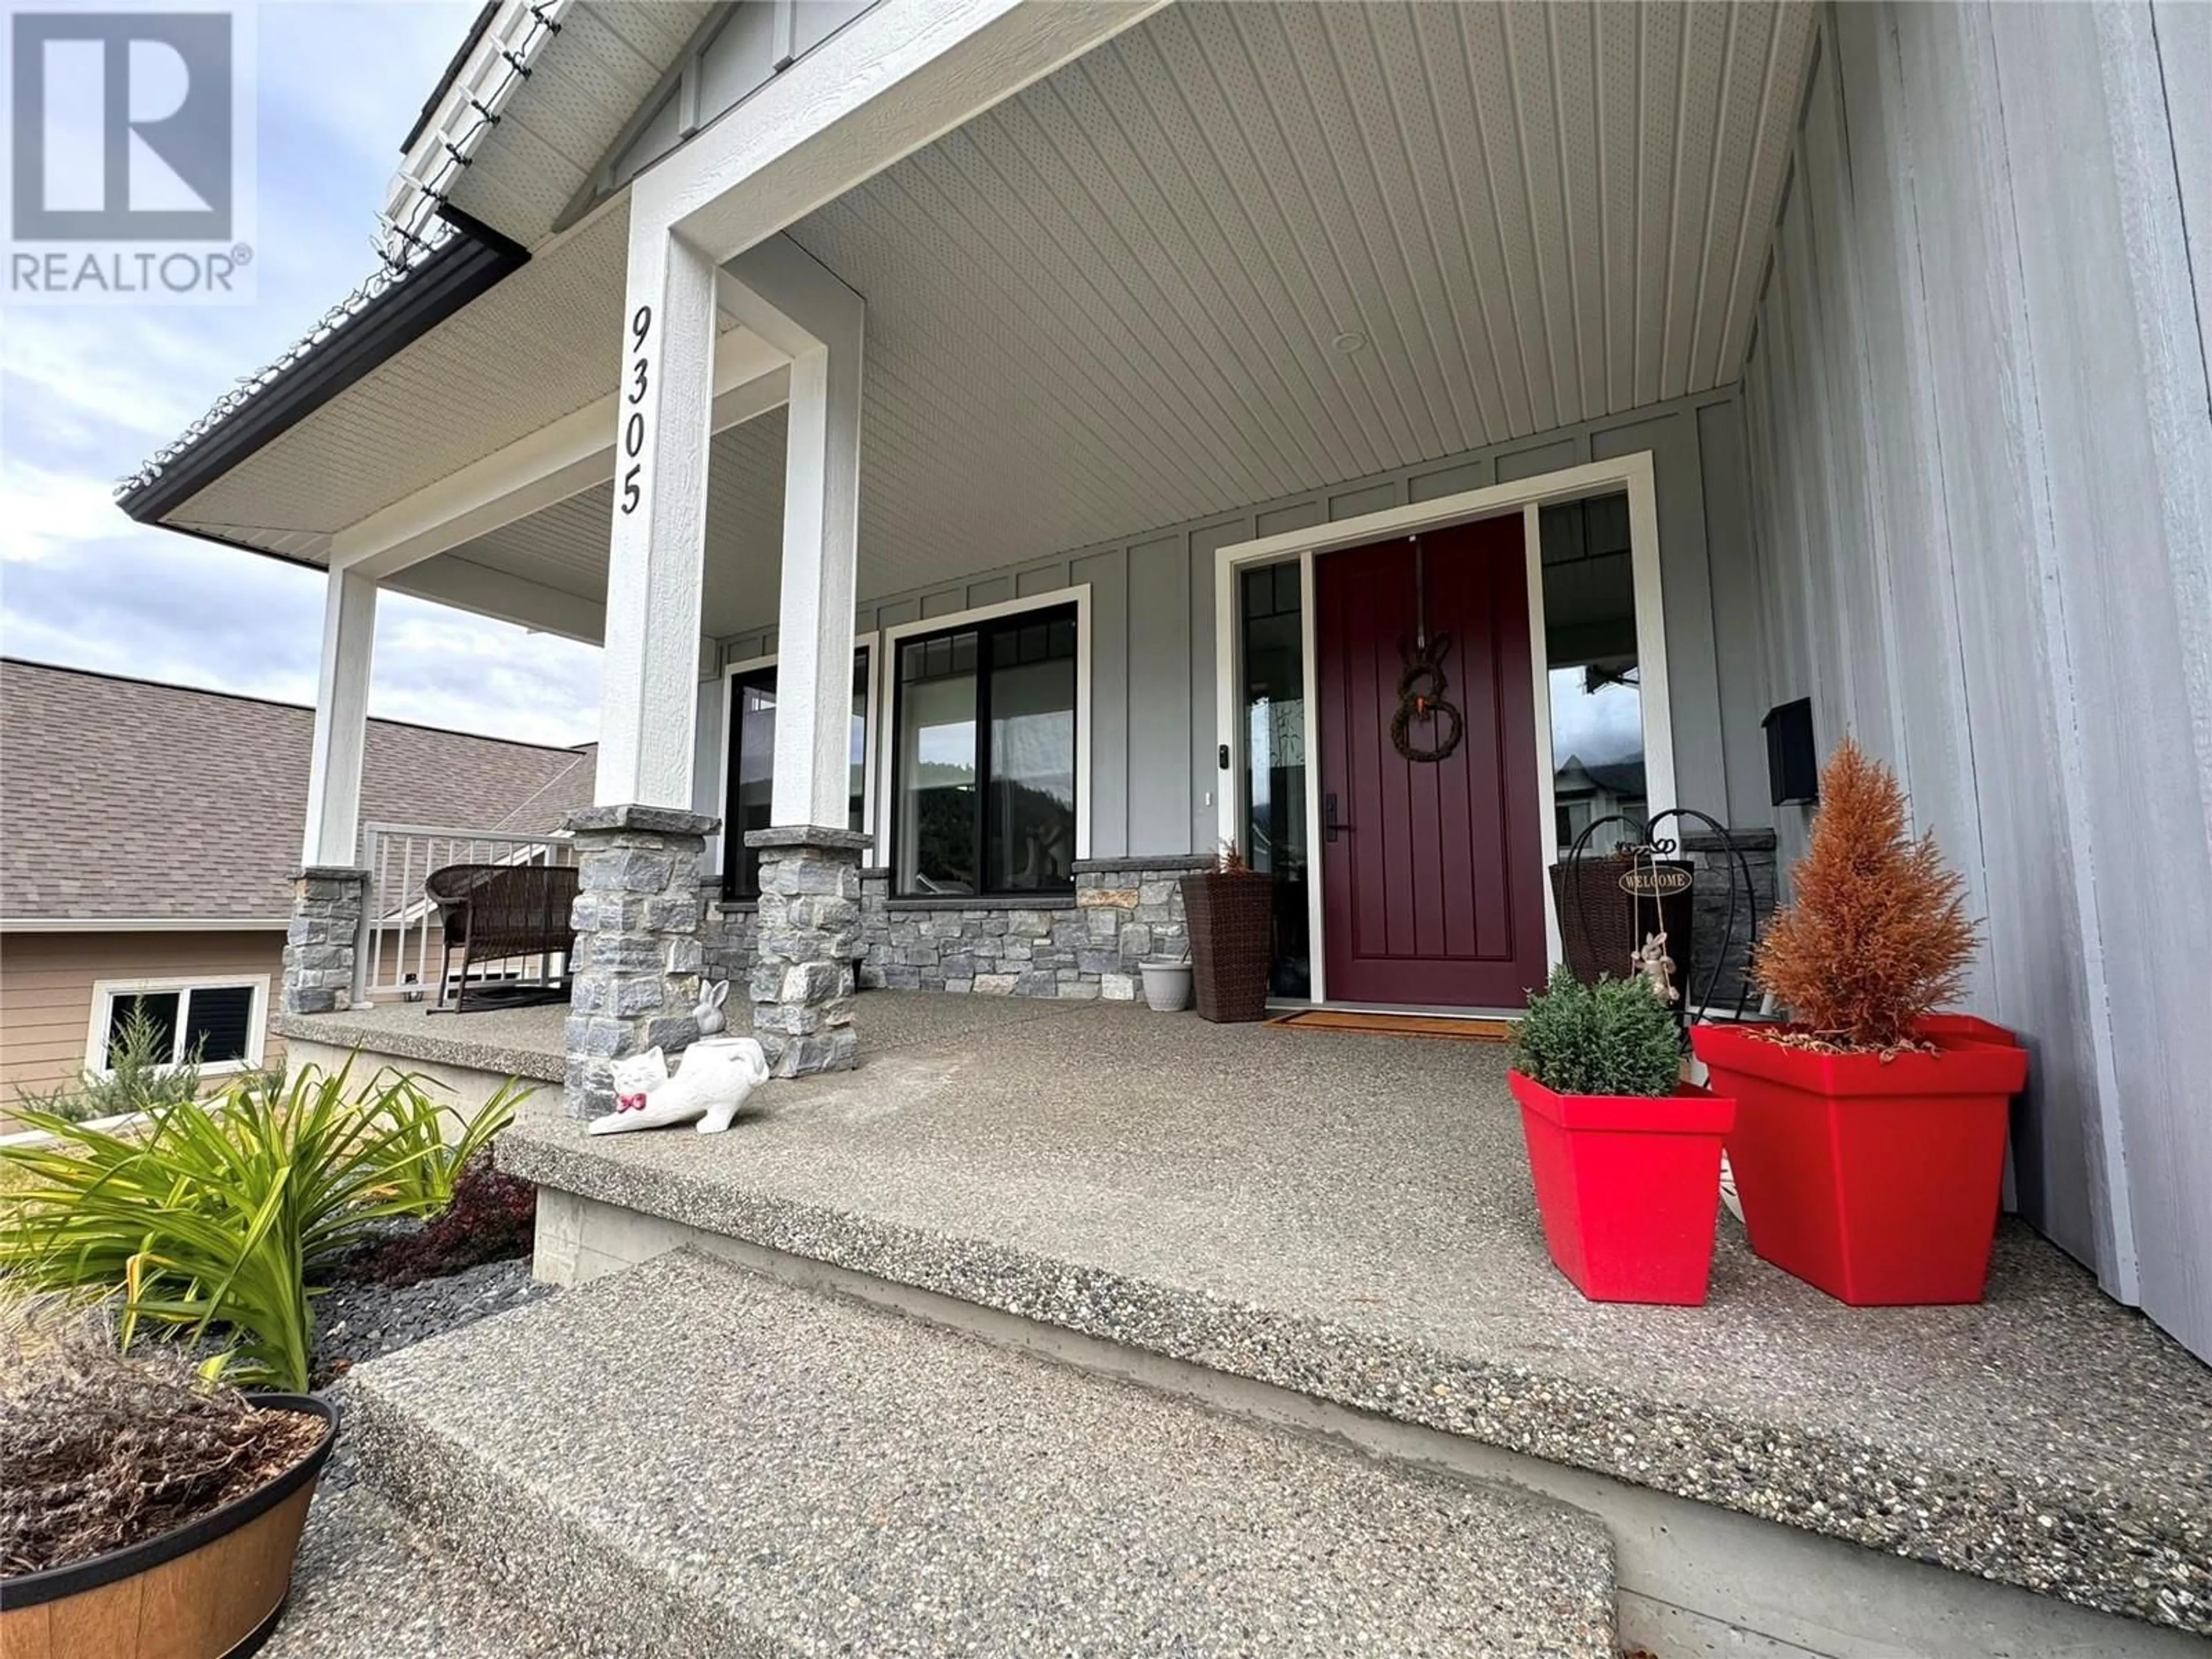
x=1875, y=936
x=219, y=1216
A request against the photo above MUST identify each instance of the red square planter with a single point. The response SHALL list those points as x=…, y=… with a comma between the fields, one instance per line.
x=1876, y=1180
x=1628, y=1186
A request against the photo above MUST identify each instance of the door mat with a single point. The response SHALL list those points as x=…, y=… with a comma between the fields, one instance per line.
x=1412, y=1025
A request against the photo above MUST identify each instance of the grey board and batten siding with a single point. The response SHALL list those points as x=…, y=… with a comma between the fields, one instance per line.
x=1980, y=434
x=741, y=49
x=1153, y=732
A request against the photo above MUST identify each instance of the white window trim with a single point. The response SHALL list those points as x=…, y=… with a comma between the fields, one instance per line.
x=105, y=990
x=1526, y=497
x=1078, y=595
x=872, y=644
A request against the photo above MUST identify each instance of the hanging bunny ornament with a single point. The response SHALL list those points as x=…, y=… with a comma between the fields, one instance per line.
x=709, y=1012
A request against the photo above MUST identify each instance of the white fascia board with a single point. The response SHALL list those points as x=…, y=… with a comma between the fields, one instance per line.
x=482, y=78
x=892, y=80
x=144, y=924
x=548, y=465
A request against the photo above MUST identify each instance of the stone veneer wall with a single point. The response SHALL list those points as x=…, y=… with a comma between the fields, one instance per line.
x=1126, y=910
x=1087, y=946
x=1708, y=910
x=640, y=920
x=324, y=933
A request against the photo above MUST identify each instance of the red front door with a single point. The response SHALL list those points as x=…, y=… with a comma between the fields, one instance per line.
x=1430, y=879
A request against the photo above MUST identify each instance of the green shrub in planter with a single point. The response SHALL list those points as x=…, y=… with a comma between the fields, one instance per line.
x=1625, y=1157
x=1611, y=1038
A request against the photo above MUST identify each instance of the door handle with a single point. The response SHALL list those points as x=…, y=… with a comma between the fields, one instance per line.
x=1330, y=828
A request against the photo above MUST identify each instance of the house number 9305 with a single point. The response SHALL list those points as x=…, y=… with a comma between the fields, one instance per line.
x=632, y=431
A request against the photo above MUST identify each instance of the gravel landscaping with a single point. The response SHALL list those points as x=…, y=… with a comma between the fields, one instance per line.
x=362, y=1320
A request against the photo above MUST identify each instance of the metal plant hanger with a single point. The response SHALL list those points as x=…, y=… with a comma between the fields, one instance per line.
x=1646, y=850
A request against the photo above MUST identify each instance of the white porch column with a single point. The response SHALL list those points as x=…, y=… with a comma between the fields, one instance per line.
x=321, y=945
x=809, y=922
x=783, y=295
x=655, y=560
x=640, y=849
x=333, y=828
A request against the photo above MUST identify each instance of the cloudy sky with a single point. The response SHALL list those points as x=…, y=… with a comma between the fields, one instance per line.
x=88, y=393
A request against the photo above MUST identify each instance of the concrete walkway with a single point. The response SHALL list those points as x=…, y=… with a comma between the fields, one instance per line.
x=690, y=1460
x=1350, y=1216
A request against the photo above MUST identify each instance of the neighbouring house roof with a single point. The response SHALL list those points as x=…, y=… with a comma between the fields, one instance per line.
x=1624, y=778
x=124, y=800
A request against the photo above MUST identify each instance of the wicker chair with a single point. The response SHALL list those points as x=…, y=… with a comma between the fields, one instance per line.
x=497, y=912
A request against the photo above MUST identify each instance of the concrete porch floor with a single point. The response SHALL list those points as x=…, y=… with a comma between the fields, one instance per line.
x=1351, y=1217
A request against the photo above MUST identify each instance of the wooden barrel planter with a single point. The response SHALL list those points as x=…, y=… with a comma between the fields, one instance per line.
x=208, y=1590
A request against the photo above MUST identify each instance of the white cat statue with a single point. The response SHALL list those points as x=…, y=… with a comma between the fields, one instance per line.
x=712, y=1080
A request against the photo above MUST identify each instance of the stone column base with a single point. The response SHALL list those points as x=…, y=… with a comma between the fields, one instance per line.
x=634, y=977
x=810, y=945
x=325, y=936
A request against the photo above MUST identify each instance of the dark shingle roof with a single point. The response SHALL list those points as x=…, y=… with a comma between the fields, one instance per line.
x=122, y=798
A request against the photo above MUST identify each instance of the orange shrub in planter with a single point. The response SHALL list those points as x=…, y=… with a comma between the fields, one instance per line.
x=1868, y=1148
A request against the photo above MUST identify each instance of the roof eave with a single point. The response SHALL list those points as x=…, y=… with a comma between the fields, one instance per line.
x=474, y=259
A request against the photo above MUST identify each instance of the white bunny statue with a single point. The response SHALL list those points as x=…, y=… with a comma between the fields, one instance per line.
x=713, y=1080
x=709, y=1012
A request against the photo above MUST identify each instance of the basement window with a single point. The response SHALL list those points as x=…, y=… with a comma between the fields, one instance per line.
x=217, y=1024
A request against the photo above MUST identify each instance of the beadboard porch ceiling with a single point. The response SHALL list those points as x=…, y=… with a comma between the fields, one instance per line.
x=1240, y=251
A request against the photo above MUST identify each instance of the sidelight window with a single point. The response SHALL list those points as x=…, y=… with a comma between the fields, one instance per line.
x=986, y=757
x=1272, y=658
x=1595, y=679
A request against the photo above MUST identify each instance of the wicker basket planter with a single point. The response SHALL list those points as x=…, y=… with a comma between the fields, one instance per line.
x=1231, y=914
x=1601, y=923
x=210, y=1589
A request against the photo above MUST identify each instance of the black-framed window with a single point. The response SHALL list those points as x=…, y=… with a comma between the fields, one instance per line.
x=984, y=788
x=203, y=1025
x=751, y=766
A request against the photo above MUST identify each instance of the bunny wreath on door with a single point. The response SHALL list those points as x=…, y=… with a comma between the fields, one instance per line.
x=1423, y=685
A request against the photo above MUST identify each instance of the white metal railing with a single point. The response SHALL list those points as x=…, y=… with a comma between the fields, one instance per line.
x=400, y=951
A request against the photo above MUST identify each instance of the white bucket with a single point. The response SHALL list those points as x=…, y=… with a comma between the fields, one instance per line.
x=1167, y=985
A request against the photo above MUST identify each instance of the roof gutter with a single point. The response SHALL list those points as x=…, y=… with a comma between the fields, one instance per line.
x=468, y=264
x=433, y=260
